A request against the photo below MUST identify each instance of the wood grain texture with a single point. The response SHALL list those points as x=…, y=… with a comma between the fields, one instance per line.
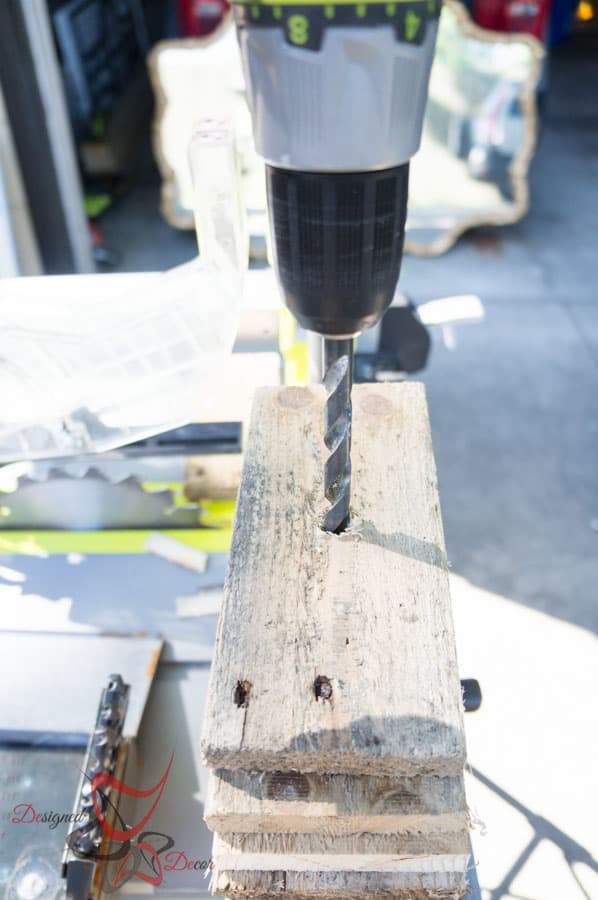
x=335, y=804
x=368, y=610
x=347, y=853
x=336, y=885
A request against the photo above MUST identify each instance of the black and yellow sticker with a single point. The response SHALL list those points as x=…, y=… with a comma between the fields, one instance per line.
x=304, y=23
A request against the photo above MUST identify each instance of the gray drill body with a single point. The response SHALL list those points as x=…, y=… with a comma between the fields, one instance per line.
x=357, y=104
x=337, y=94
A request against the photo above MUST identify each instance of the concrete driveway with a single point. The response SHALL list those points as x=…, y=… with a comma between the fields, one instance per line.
x=515, y=423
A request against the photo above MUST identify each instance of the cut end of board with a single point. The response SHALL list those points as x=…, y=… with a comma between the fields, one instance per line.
x=352, y=761
x=248, y=885
x=294, y=802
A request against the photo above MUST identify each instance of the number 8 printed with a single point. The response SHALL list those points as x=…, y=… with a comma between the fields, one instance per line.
x=298, y=27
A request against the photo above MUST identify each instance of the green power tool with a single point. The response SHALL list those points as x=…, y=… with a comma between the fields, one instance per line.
x=337, y=93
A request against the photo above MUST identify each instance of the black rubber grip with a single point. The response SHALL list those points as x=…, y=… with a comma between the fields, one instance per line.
x=338, y=243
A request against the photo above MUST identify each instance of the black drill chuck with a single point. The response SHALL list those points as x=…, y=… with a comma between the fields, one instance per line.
x=338, y=242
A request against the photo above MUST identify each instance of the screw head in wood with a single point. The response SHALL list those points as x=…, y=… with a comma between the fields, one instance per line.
x=241, y=694
x=323, y=688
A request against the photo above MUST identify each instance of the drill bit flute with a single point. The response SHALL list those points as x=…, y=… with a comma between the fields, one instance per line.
x=338, y=372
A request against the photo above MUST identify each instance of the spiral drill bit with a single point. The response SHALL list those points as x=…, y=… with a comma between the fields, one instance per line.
x=338, y=375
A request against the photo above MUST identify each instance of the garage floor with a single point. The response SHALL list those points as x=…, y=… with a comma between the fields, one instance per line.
x=515, y=421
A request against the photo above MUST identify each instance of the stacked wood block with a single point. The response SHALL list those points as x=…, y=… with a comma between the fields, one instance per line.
x=334, y=723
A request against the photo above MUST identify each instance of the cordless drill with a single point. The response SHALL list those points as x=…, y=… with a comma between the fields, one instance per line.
x=337, y=93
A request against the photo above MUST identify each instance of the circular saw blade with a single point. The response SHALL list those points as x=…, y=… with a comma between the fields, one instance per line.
x=91, y=502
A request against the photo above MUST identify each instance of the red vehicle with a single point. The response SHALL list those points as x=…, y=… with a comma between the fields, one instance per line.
x=527, y=16
x=198, y=18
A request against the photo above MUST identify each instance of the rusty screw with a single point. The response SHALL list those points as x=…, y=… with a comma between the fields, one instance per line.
x=323, y=688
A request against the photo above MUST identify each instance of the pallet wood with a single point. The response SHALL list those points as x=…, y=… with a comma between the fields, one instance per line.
x=290, y=802
x=367, y=611
x=244, y=885
x=443, y=853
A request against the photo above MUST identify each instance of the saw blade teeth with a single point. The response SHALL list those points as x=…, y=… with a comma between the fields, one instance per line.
x=166, y=497
x=129, y=481
x=95, y=473
x=160, y=493
x=124, y=503
x=164, y=494
x=56, y=472
x=132, y=481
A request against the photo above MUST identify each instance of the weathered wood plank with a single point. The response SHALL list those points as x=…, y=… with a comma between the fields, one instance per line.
x=342, y=853
x=336, y=804
x=336, y=885
x=335, y=653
